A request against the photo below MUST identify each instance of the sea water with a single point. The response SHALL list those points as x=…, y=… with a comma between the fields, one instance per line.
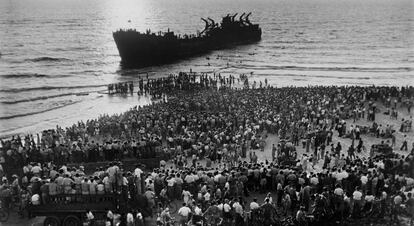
x=52, y=50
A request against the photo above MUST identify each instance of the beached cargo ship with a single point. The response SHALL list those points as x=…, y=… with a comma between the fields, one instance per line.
x=144, y=49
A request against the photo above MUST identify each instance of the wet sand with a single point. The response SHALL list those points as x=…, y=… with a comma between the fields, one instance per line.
x=67, y=116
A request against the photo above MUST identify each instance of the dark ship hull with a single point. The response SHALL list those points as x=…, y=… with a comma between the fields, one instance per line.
x=145, y=49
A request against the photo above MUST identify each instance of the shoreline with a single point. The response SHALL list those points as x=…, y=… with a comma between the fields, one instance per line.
x=92, y=109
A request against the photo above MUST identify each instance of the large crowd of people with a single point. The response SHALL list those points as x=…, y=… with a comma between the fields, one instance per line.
x=224, y=124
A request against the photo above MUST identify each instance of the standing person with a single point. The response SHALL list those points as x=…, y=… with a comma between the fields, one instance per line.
x=393, y=138
x=170, y=187
x=184, y=213
x=360, y=146
x=226, y=212
x=137, y=177
x=287, y=204
x=186, y=196
x=338, y=149
x=322, y=151
x=405, y=144
x=178, y=186
x=308, y=142
x=326, y=161
x=329, y=137
x=351, y=152
x=357, y=198
x=150, y=195
x=273, y=152
x=238, y=210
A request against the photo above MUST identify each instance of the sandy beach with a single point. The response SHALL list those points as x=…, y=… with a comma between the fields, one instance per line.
x=271, y=139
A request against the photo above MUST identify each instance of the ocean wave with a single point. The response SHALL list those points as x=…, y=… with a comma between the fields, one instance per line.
x=41, y=98
x=13, y=90
x=47, y=59
x=315, y=76
x=70, y=102
x=24, y=75
x=319, y=68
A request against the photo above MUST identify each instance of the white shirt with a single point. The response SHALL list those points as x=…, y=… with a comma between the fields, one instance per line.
x=35, y=199
x=184, y=211
x=369, y=198
x=197, y=211
x=100, y=187
x=226, y=208
x=364, y=179
x=254, y=205
x=357, y=195
x=189, y=179
x=238, y=208
x=227, y=185
x=380, y=165
x=110, y=215
x=339, y=191
x=207, y=196
x=130, y=218
x=138, y=172
x=314, y=181
x=170, y=182
x=89, y=215
x=36, y=169
x=112, y=170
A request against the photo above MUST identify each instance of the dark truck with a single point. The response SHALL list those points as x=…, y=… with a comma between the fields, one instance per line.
x=70, y=209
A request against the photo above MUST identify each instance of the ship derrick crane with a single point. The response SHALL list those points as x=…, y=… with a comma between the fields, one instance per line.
x=207, y=27
x=246, y=18
x=241, y=18
x=232, y=17
x=213, y=24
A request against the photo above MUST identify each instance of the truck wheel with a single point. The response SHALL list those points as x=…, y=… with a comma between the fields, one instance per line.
x=51, y=221
x=71, y=220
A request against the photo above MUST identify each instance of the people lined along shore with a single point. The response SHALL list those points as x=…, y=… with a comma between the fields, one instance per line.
x=121, y=87
x=219, y=123
x=181, y=81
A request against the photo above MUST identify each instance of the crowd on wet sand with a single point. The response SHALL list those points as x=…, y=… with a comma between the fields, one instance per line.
x=214, y=119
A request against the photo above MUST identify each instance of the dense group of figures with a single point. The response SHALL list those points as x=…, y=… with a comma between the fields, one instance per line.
x=215, y=119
